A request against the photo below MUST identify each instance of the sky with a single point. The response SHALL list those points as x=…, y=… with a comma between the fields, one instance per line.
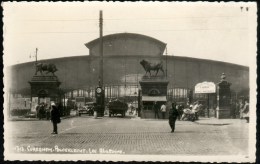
x=216, y=31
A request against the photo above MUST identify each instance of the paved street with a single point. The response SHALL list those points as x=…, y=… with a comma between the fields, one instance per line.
x=129, y=136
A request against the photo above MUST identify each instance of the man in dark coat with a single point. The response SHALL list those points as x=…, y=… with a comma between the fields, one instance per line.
x=55, y=118
x=41, y=111
x=173, y=114
x=156, y=109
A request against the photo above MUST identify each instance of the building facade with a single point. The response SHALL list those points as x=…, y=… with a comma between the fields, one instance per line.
x=122, y=69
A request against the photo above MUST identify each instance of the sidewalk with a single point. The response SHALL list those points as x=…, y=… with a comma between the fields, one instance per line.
x=19, y=118
x=216, y=121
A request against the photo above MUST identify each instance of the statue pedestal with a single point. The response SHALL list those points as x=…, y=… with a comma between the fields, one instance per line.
x=45, y=88
x=223, y=100
x=153, y=88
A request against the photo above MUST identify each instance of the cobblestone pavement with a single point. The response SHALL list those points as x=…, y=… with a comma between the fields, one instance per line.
x=128, y=136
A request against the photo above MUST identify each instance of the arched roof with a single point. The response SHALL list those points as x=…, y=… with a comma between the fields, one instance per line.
x=124, y=36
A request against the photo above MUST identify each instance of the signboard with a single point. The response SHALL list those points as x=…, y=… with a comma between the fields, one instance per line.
x=205, y=87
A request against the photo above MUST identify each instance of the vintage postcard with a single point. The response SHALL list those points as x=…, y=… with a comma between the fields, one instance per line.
x=143, y=81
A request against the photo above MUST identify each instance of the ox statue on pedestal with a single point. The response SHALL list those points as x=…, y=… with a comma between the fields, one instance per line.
x=44, y=67
x=148, y=67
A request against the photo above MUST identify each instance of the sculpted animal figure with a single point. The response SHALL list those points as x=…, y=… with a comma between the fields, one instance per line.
x=44, y=67
x=148, y=67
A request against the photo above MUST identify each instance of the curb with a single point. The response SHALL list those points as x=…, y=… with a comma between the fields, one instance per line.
x=213, y=124
x=35, y=119
x=208, y=122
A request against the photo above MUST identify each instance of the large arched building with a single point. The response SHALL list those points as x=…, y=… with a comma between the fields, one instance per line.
x=122, y=70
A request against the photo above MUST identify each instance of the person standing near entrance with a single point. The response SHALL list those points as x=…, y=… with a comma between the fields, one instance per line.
x=55, y=118
x=241, y=106
x=163, y=110
x=156, y=110
x=173, y=117
x=245, y=111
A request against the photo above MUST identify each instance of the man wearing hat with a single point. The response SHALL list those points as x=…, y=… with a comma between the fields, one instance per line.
x=55, y=118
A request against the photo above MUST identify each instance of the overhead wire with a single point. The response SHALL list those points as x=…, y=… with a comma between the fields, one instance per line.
x=134, y=19
x=71, y=32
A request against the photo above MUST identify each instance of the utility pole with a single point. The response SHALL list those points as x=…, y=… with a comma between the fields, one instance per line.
x=166, y=60
x=101, y=47
x=36, y=54
x=100, y=91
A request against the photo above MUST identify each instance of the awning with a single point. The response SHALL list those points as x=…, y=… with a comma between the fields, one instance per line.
x=154, y=98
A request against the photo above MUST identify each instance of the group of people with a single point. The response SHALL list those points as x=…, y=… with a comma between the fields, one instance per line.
x=240, y=109
x=176, y=112
x=188, y=113
x=157, y=108
x=43, y=111
x=51, y=113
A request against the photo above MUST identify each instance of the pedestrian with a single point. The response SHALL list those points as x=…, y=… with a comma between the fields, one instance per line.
x=37, y=111
x=237, y=109
x=163, y=110
x=173, y=114
x=131, y=107
x=195, y=110
x=233, y=110
x=48, y=112
x=156, y=110
x=55, y=118
x=241, y=105
x=41, y=111
x=245, y=111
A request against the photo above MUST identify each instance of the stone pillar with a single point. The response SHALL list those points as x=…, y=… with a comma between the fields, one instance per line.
x=154, y=87
x=223, y=98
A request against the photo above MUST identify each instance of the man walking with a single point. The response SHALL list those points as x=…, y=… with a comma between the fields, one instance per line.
x=163, y=110
x=55, y=118
x=173, y=116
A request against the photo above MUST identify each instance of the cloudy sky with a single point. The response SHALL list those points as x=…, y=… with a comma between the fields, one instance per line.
x=216, y=31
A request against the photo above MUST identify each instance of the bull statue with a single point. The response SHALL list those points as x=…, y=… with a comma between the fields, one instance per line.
x=44, y=67
x=148, y=67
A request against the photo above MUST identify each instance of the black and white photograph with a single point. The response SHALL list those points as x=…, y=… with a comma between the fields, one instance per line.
x=130, y=81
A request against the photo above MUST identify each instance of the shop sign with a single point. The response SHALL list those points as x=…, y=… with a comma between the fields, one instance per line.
x=205, y=87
